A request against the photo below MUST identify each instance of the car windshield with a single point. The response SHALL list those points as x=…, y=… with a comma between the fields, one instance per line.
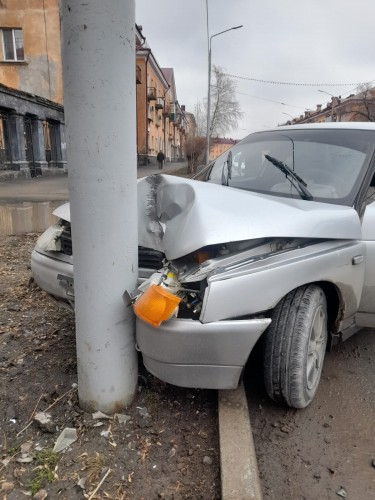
x=327, y=164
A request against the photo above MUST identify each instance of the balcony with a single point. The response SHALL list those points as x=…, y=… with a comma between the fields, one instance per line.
x=159, y=103
x=138, y=75
x=167, y=109
x=151, y=94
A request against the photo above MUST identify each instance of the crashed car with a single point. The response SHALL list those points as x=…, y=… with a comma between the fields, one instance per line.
x=276, y=244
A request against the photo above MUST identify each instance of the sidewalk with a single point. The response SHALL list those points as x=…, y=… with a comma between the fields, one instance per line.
x=56, y=187
x=169, y=168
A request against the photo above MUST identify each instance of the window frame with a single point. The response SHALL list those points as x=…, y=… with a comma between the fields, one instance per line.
x=14, y=45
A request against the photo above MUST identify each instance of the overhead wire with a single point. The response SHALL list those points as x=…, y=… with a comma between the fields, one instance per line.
x=348, y=92
x=274, y=82
x=270, y=100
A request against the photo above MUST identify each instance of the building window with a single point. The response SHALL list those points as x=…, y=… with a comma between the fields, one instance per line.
x=13, y=44
x=51, y=141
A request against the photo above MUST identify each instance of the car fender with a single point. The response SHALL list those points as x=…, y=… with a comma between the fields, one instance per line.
x=257, y=287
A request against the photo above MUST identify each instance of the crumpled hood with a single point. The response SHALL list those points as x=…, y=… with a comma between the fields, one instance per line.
x=178, y=216
x=63, y=212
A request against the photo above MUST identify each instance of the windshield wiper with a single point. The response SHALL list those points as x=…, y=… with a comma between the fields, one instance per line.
x=228, y=163
x=301, y=186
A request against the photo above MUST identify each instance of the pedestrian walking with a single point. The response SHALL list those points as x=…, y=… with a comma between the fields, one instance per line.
x=160, y=158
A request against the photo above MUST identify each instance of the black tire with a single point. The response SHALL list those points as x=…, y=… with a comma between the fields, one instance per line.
x=295, y=345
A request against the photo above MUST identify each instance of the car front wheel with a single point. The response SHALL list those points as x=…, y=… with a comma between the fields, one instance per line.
x=295, y=346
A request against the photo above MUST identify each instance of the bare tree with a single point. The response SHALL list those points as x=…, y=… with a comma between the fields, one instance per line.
x=200, y=113
x=366, y=96
x=225, y=113
x=195, y=151
x=225, y=108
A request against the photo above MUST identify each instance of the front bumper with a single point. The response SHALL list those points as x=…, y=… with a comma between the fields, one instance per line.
x=47, y=274
x=189, y=353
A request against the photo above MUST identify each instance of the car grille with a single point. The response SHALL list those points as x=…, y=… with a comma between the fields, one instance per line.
x=150, y=259
x=66, y=240
x=147, y=257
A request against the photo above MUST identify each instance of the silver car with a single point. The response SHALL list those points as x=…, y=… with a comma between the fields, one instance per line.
x=277, y=243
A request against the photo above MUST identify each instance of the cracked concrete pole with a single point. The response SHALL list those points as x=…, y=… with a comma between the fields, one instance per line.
x=100, y=113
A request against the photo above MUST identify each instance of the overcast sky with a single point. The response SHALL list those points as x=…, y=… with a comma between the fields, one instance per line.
x=296, y=41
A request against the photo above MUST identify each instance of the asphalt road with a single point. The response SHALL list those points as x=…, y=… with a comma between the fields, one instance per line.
x=55, y=187
x=326, y=450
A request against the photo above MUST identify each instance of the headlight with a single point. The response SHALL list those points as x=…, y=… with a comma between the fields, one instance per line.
x=234, y=255
x=49, y=241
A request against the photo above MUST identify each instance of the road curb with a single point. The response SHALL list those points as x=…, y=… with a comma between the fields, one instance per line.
x=239, y=468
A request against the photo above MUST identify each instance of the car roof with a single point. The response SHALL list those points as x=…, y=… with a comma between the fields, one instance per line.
x=328, y=125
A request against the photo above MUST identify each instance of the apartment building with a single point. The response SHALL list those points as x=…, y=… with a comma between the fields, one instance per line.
x=31, y=93
x=161, y=121
x=31, y=96
x=31, y=47
x=219, y=145
x=358, y=107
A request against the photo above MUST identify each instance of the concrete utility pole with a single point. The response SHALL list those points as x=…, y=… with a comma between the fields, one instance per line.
x=208, y=131
x=100, y=111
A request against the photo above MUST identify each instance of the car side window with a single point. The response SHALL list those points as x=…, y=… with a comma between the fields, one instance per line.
x=245, y=164
x=370, y=194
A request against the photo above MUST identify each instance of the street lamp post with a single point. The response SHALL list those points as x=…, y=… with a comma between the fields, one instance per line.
x=287, y=114
x=334, y=104
x=209, y=90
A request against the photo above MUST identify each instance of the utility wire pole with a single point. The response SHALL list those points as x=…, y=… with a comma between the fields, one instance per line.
x=100, y=111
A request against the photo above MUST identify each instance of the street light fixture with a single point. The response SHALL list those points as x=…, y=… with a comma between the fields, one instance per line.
x=209, y=90
x=335, y=102
x=324, y=92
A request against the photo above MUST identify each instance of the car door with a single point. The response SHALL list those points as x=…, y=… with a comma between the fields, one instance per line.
x=366, y=310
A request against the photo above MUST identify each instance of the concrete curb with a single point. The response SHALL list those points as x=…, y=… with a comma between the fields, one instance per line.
x=239, y=468
x=11, y=175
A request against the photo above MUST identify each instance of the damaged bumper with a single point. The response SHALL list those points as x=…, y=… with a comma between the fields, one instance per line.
x=187, y=353
x=53, y=275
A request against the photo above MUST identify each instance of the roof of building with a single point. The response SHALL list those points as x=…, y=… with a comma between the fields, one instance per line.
x=223, y=140
x=168, y=73
x=30, y=97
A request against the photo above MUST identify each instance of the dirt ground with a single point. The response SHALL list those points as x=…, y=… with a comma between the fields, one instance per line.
x=327, y=450
x=166, y=445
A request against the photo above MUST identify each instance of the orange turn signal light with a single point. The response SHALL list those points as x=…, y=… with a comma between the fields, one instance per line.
x=155, y=305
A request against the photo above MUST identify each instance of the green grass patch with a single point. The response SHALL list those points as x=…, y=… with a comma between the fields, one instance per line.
x=45, y=470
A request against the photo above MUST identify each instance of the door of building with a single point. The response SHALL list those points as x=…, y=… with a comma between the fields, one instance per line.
x=29, y=147
x=51, y=135
x=5, y=150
